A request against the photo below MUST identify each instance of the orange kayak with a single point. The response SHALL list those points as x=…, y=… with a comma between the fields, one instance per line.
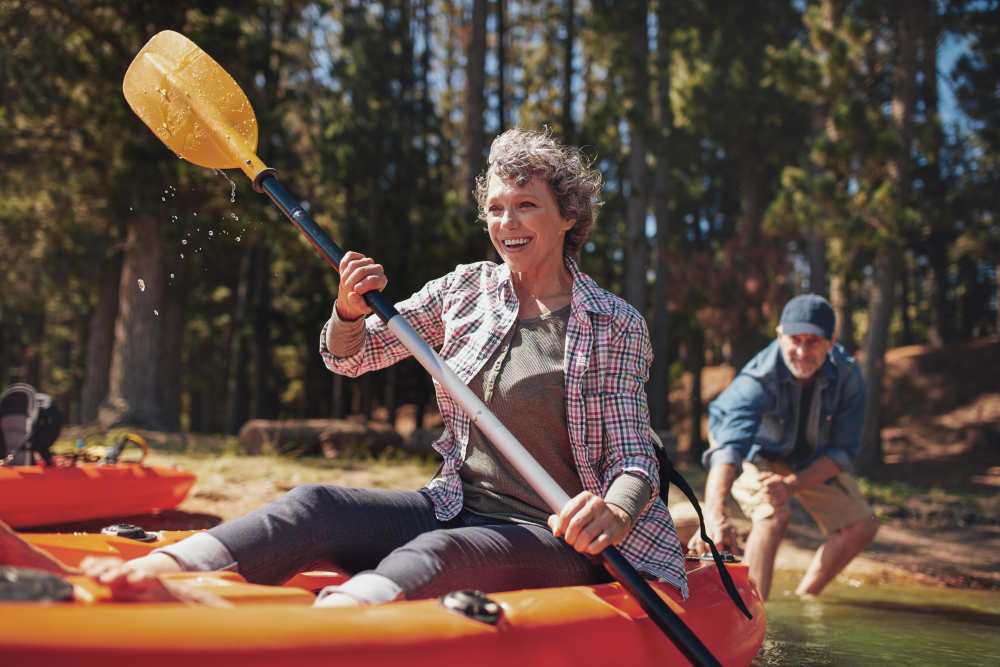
x=41, y=495
x=274, y=625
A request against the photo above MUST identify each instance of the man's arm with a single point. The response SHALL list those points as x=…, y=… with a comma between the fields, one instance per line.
x=720, y=481
x=848, y=421
x=780, y=488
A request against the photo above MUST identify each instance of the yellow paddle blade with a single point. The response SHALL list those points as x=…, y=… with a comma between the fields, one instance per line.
x=192, y=104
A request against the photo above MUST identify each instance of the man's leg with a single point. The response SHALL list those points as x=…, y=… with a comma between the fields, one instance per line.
x=847, y=521
x=834, y=555
x=768, y=524
x=762, y=546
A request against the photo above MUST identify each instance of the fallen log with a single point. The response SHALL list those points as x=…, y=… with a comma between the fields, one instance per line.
x=331, y=438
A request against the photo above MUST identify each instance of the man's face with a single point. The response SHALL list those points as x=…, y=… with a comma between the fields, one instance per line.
x=803, y=353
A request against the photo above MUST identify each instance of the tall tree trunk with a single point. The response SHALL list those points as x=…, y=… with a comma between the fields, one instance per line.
x=942, y=328
x=880, y=311
x=905, y=299
x=237, y=384
x=752, y=185
x=996, y=276
x=265, y=399
x=888, y=261
x=658, y=388
x=390, y=395
x=501, y=67
x=568, y=126
x=939, y=240
x=475, y=102
x=100, y=340
x=133, y=388
x=635, y=43
x=340, y=392
x=172, y=323
x=842, y=301
x=696, y=363
x=818, y=267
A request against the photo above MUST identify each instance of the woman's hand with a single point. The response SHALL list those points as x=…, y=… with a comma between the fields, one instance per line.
x=590, y=525
x=358, y=276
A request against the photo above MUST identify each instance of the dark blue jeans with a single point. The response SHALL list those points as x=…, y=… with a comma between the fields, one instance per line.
x=396, y=535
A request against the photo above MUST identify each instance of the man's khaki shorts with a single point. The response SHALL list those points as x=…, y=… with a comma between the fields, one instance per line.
x=834, y=505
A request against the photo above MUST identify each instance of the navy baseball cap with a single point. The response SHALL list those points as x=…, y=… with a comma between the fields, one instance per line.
x=808, y=314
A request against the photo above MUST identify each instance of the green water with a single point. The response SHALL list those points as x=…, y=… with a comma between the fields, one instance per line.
x=856, y=623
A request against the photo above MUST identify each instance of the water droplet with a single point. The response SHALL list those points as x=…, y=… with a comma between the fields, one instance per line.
x=234, y=217
x=163, y=199
x=232, y=193
x=184, y=241
x=196, y=214
x=171, y=276
x=142, y=285
x=211, y=233
x=182, y=255
x=156, y=312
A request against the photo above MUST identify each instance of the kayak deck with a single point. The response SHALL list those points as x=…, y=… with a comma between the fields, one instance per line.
x=576, y=625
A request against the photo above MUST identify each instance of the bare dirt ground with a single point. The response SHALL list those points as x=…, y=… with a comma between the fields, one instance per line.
x=938, y=495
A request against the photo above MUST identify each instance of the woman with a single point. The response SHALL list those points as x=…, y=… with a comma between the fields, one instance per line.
x=561, y=362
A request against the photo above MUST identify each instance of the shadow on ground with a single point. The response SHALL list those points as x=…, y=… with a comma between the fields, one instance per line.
x=167, y=520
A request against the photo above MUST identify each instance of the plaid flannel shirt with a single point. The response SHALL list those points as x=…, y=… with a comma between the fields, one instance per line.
x=465, y=316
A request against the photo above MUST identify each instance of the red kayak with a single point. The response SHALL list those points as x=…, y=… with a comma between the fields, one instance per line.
x=256, y=626
x=41, y=495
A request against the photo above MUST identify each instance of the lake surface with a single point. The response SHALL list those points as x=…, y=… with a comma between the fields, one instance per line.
x=855, y=623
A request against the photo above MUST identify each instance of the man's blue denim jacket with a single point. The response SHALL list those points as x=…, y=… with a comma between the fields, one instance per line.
x=757, y=413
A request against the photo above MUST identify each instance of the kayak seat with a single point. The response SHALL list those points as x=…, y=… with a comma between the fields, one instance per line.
x=30, y=424
x=18, y=407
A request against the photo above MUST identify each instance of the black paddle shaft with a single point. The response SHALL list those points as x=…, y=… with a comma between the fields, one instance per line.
x=672, y=626
x=268, y=183
x=686, y=641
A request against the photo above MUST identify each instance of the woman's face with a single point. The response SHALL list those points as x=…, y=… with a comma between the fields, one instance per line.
x=524, y=224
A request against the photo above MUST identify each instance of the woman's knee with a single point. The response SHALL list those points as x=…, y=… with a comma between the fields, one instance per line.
x=306, y=494
x=439, y=546
x=319, y=498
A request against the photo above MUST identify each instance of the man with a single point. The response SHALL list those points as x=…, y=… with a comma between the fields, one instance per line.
x=789, y=426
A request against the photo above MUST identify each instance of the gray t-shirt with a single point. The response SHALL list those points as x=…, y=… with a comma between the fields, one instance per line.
x=524, y=386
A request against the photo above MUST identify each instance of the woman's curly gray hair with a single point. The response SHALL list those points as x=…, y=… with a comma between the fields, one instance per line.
x=519, y=155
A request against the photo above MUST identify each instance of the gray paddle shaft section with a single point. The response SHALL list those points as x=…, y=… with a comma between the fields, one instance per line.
x=481, y=416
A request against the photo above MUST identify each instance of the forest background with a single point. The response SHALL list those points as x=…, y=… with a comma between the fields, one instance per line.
x=751, y=151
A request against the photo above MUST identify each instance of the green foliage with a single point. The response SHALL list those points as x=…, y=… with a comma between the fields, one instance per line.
x=768, y=124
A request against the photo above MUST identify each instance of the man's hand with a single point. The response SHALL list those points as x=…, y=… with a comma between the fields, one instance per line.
x=777, y=489
x=719, y=530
